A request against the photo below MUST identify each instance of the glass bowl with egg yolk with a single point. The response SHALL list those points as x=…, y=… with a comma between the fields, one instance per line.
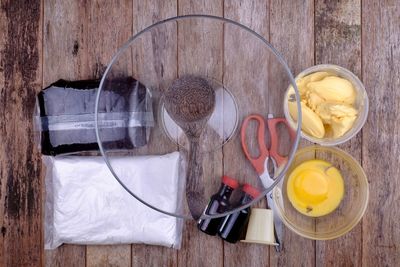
x=324, y=193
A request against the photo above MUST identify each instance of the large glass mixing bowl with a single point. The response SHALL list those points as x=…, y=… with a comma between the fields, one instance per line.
x=249, y=77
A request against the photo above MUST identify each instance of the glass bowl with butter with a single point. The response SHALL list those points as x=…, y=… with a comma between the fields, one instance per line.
x=324, y=193
x=334, y=104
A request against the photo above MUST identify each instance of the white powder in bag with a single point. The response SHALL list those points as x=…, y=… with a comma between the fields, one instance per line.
x=86, y=205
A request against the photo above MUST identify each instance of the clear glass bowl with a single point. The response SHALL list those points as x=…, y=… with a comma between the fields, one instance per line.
x=343, y=218
x=248, y=75
x=361, y=103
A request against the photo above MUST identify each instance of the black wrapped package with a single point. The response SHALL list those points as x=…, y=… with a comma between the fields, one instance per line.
x=65, y=116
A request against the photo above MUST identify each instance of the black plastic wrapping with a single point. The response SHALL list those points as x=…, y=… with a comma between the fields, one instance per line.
x=66, y=116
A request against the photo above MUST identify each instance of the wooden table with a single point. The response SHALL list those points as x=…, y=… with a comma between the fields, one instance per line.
x=42, y=41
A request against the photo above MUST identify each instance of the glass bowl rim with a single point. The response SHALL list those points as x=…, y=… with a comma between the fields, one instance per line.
x=277, y=55
x=352, y=223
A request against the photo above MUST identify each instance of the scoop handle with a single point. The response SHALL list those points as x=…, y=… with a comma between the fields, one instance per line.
x=194, y=185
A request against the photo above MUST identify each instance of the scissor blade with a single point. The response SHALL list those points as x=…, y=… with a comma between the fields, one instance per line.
x=278, y=226
x=266, y=179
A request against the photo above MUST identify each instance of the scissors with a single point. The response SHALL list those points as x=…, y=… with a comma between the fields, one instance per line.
x=266, y=156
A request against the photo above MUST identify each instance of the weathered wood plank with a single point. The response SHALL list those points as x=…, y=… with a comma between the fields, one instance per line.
x=65, y=56
x=156, y=62
x=246, y=77
x=381, y=133
x=109, y=255
x=109, y=25
x=191, y=54
x=21, y=242
x=65, y=46
x=338, y=41
x=292, y=34
x=66, y=255
x=144, y=255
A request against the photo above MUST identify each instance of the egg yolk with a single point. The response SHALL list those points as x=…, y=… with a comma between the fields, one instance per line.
x=315, y=188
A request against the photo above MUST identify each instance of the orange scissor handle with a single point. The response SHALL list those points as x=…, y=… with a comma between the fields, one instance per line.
x=272, y=126
x=257, y=162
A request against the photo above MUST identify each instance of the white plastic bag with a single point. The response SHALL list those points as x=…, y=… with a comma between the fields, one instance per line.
x=86, y=205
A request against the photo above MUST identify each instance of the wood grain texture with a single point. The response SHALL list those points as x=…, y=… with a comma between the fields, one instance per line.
x=156, y=61
x=292, y=34
x=381, y=133
x=66, y=255
x=65, y=47
x=109, y=26
x=78, y=38
x=338, y=41
x=65, y=57
x=246, y=78
x=201, y=54
x=108, y=255
x=145, y=255
x=21, y=239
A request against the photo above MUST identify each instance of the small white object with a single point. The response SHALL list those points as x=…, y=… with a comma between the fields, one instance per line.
x=261, y=227
x=86, y=205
